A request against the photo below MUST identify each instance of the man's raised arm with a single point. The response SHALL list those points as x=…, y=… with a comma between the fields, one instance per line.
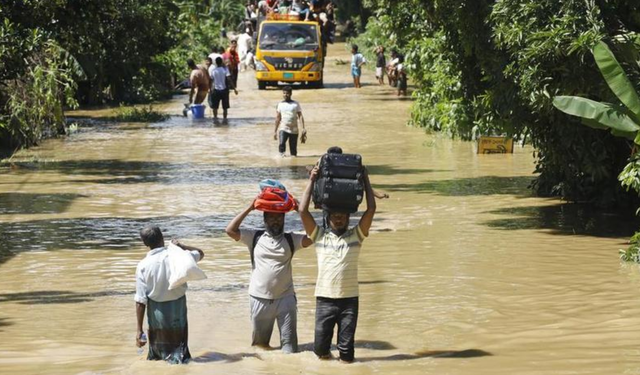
x=367, y=218
x=308, y=221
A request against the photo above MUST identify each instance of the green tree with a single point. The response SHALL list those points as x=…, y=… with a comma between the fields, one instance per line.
x=493, y=67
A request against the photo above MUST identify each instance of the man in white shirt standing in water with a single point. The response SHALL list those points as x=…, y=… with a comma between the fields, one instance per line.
x=220, y=83
x=288, y=112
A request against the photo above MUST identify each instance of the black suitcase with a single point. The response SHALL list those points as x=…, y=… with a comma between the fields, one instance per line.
x=341, y=166
x=338, y=194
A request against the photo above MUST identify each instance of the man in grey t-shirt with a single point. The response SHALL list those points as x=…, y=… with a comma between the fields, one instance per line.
x=271, y=288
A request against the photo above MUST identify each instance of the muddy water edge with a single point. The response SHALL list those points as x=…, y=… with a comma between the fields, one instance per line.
x=464, y=271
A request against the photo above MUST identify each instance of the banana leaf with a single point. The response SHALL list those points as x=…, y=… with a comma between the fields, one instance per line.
x=616, y=78
x=609, y=115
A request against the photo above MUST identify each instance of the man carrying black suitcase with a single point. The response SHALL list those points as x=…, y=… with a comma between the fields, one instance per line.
x=337, y=249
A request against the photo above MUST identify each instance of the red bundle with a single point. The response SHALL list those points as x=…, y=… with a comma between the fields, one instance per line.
x=276, y=200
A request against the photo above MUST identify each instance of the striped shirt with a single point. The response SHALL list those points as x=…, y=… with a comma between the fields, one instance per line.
x=337, y=262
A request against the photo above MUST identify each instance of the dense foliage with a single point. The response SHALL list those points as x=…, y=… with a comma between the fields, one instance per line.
x=56, y=52
x=486, y=67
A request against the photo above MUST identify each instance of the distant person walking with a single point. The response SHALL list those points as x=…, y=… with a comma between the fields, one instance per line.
x=221, y=82
x=245, y=41
x=199, y=79
x=288, y=112
x=233, y=60
x=166, y=309
x=357, y=60
x=381, y=64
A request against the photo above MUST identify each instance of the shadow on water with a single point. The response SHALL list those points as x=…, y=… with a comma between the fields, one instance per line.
x=566, y=219
x=488, y=185
x=4, y=322
x=221, y=357
x=117, y=233
x=359, y=344
x=390, y=170
x=133, y=172
x=467, y=353
x=44, y=297
x=29, y=203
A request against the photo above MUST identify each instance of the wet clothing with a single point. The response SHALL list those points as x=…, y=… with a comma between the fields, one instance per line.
x=344, y=313
x=283, y=137
x=166, y=309
x=168, y=331
x=288, y=111
x=152, y=278
x=271, y=277
x=337, y=262
x=219, y=96
x=272, y=296
x=337, y=289
x=264, y=313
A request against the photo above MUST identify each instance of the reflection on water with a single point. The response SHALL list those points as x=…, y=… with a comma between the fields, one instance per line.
x=464, y=271
x=566, y=219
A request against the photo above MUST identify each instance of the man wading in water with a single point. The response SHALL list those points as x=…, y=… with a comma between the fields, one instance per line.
x=271, y=290
x=288, y=112
x=200, y=82
x=338, y=249
x=166, y=309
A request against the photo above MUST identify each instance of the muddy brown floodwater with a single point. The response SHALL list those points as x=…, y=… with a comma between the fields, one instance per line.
x=464, y=271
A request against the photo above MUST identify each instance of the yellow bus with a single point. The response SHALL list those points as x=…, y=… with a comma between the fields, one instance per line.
x=290, y=51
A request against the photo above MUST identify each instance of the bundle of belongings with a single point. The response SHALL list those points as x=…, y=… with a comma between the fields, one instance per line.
x=339, y=187
x=274, y=197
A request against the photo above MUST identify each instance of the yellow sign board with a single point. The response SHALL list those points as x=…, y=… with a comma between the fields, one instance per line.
x=495, y=145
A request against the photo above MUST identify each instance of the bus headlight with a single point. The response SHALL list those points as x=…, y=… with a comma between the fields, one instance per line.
x=260, y=67
x=316, y=67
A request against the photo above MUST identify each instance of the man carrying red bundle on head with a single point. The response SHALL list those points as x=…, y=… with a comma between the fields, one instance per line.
x=271, y=292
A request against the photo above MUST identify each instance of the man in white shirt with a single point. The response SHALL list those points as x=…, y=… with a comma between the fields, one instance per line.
x=288, y=112
x=166, y=309
x=244, y=45
x=220, y=83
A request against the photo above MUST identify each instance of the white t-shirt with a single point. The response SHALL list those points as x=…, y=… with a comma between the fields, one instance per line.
x=357, y=59
x=288, y=116
x=218, y=76
x=272, y=276
x=214, y=56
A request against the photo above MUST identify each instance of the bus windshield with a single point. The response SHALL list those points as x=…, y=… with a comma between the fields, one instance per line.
x=288, y=36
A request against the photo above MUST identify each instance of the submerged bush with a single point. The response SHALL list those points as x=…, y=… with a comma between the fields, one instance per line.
x=139, y=114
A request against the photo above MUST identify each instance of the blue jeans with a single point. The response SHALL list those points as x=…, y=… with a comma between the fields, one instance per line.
x=344, y=313
x=293, y=143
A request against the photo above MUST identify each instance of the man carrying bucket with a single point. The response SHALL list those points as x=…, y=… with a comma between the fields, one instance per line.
x=271, y=292
x=200, y=81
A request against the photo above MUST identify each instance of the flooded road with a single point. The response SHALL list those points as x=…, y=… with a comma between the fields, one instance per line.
x=464, y=271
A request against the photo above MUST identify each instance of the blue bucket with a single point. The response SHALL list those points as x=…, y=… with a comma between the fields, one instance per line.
x=197, y=110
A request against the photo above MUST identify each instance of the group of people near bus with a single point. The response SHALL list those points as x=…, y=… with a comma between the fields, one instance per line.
x=272, y=295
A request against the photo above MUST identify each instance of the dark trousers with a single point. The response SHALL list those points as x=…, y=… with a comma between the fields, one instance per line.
x=293, y=143
x=344, y=313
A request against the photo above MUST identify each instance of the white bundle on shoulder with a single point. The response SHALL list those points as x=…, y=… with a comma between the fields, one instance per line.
x=182, y=266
